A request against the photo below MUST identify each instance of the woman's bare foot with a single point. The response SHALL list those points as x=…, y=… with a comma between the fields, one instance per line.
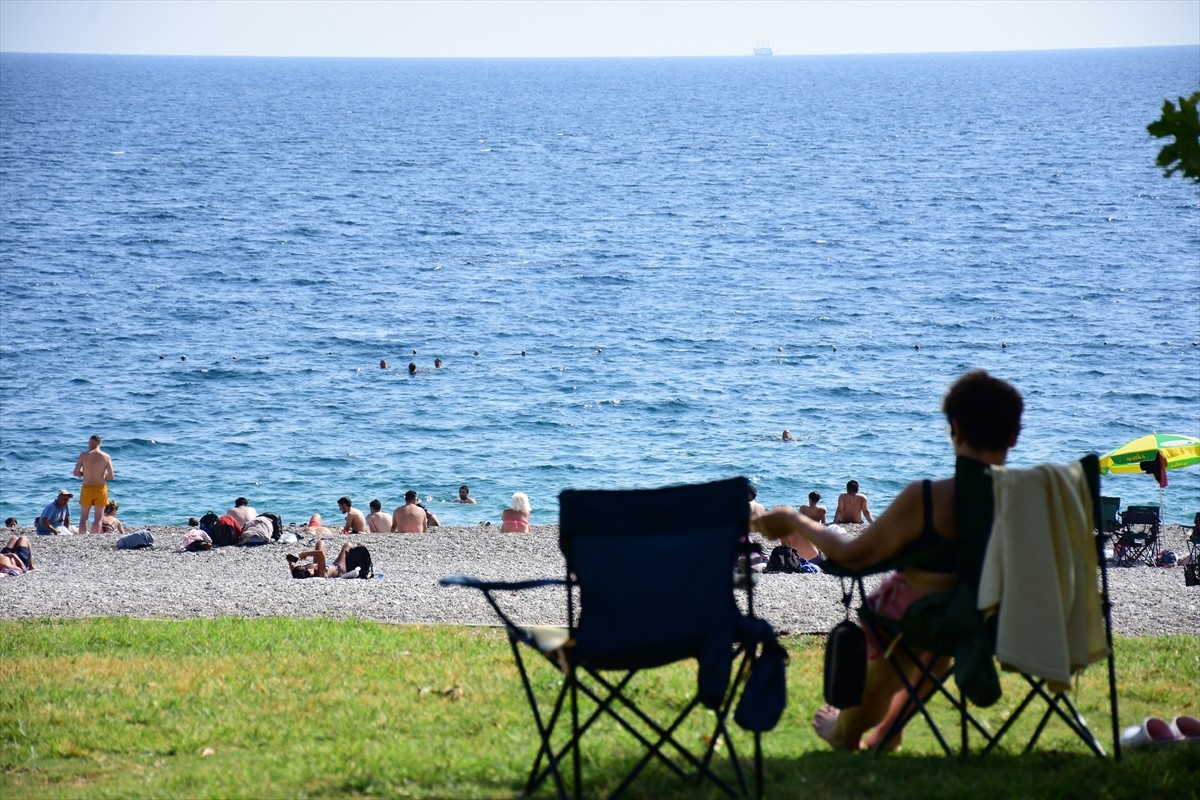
x=825, y=724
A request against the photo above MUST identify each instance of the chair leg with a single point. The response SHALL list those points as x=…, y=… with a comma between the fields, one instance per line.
x=544, y=731
x=664, y=737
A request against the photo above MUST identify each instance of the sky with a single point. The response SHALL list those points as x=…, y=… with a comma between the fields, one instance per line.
x=586, y=28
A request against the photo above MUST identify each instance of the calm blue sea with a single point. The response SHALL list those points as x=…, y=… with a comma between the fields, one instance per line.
x=637, y=272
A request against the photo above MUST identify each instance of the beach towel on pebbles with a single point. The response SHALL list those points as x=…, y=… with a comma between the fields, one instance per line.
x=257, y=531
x=135, y=540
x=197, y=539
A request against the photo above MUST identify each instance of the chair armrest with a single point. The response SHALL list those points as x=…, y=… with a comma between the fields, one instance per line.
x=488, y=586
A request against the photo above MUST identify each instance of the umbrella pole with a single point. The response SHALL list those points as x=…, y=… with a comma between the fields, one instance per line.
x=1162, y=520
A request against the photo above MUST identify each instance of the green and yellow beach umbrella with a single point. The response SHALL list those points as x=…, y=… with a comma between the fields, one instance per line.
x=1176, y=450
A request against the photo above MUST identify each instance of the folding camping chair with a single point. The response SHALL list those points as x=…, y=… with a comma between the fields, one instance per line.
x=949, y=625
x=1191, y=574
x=1110, y=514
x=1137, y=538
x=649, y=582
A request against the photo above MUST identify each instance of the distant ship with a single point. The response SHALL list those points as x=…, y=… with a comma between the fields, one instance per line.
x=763, y=49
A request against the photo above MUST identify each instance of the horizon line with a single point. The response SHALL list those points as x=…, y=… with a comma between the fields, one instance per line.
x=750, y=55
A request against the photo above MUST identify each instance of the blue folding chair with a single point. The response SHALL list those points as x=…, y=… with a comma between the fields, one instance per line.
x=650, y=582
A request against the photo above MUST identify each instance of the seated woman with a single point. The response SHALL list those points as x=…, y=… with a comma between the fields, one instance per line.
x=320, y=566
x=515, y=519
x=984, y=414
x=109, y=522
x=16, y=558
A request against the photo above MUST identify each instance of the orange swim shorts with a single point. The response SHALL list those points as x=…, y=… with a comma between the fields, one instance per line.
x=94, y=495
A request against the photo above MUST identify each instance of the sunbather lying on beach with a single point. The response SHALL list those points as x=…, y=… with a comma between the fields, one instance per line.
x=16, y=558
x=319, y=567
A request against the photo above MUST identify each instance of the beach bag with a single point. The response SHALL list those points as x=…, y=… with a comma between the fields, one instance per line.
x=765, y=695
x=359, y=558
x=196, y=540
x=225, y=531
x=276, y=526
x=845, y=665
x=135, y=540
x=208, y=521
x=784, y=558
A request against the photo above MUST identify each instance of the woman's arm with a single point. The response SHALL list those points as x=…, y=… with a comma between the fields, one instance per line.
x=896, y=527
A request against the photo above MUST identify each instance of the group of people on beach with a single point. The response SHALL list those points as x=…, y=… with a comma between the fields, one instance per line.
x=984, y=418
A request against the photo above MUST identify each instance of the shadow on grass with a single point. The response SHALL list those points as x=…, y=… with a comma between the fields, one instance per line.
x=1166, y=772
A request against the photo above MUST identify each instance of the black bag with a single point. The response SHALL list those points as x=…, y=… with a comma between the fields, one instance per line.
x=360, y=557
x=207, y=522
x=765, y=695
x=845, y=665
x=1191, y=572
x=783, y=559
x=276, y=526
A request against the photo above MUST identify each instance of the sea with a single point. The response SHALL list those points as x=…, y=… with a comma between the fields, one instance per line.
x=635, y=272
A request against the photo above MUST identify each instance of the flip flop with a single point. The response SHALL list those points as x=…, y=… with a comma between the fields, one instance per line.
x=1151, y=733
x=1186, y=729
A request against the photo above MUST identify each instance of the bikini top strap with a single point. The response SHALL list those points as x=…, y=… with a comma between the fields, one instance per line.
x=927, y=491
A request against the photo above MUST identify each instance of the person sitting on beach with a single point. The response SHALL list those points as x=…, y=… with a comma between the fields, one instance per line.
x=377, y=521
x=852, y=506
x=803, y=547
x=812, y=510
x=11, y=522
x=355, y=521
x=319, y=567
x=410, y=517
x=984, y=413
x=109, y=522
x=95, y=468
x=16, y=558
x=242, y=511
x=756, y=508
x=56, y=517
x=515, y=518
x=430, y=520
x=464, y=495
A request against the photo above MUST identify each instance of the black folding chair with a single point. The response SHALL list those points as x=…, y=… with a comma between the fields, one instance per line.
x=950, y=626
x=650, y=582
x=1110, y=514
x=1136, y=541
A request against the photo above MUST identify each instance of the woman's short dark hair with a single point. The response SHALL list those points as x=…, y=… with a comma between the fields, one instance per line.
x=986, y=410
x=301, y=571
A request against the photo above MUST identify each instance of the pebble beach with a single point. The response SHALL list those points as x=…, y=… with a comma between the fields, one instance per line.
x=86, y=576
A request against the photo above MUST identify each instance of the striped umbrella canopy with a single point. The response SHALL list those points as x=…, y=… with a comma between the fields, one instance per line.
x=1177, y=451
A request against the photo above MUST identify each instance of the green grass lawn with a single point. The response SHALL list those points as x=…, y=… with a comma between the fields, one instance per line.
x=233, y=708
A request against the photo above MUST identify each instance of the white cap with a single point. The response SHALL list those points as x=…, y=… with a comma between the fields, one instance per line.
x=67, y=492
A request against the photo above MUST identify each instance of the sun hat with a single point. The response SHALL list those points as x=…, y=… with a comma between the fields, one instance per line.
x=67, y=492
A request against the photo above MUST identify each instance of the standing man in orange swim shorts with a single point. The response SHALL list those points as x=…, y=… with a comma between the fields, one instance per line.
x=95, y=467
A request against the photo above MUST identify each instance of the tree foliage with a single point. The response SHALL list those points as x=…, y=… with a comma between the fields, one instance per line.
x=1183, y=123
